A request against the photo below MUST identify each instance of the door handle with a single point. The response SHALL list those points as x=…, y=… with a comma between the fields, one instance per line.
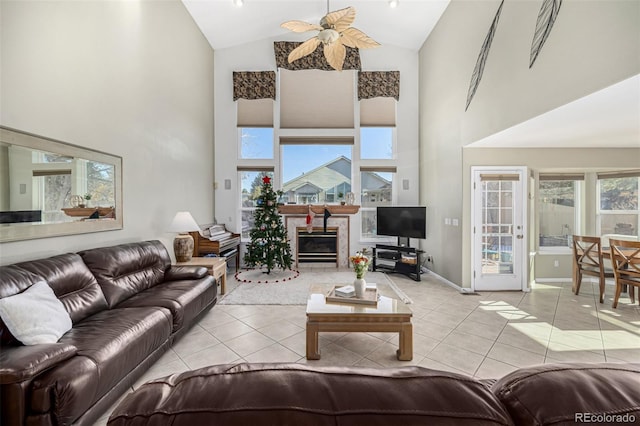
x=519, y=237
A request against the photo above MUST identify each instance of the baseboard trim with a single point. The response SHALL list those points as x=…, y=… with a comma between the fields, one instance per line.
x=447, y=282
x=608, y=281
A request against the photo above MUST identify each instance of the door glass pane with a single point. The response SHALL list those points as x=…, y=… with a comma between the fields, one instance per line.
x=497, y=227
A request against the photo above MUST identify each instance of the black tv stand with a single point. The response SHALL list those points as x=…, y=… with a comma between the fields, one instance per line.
x=401, y=259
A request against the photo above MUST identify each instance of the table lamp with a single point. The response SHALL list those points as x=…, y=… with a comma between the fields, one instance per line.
x=183, y=223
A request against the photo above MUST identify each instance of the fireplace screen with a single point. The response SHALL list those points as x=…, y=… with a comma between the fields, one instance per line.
x=318, y=246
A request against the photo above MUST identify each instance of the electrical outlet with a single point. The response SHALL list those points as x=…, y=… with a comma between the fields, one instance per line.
x=556, y=263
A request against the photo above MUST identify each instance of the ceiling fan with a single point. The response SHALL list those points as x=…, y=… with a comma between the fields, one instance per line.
x=334, y=32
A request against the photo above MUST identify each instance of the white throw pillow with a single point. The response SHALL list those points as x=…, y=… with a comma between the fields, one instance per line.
x=36, y=315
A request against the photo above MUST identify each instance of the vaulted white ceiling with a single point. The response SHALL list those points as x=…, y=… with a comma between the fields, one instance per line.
x=607, y=118
x=226, y=25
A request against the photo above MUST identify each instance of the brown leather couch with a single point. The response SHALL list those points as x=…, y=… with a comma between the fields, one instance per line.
x=295, y=394
x=127, y=304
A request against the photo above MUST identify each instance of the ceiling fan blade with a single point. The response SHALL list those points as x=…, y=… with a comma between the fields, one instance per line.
x=335, y=54
x=304, y=49
x=341, y=19
x=300, y=26
x=353, y=37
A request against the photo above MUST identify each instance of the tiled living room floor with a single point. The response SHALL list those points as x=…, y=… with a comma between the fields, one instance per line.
x=484, y=336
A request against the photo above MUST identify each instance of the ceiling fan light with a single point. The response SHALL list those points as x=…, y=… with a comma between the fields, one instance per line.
x=393, y=3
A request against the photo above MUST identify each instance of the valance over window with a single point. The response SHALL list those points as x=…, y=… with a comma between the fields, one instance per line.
x=373, y=84
x=255, y=92
x=378, y=92
x=254, y=85
x=315, y=60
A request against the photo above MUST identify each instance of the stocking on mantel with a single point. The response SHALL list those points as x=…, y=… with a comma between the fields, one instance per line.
x=310, y=216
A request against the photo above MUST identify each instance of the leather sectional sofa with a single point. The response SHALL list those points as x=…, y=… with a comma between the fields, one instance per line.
x=127, y=305
x=295, y=394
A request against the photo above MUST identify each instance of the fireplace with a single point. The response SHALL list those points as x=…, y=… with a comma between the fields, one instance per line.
x=317, y=246
x=297, y=224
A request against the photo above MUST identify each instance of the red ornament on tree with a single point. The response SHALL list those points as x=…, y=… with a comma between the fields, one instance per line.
x=266, y=179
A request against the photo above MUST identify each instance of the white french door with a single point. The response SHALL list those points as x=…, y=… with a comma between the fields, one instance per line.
x=498, y=228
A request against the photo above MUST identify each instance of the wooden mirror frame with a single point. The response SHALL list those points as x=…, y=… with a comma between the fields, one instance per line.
x=26, y=231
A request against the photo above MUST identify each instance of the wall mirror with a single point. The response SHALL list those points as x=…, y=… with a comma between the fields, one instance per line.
x=50, y=188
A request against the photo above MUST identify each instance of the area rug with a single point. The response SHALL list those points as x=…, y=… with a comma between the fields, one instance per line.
x=295, y=291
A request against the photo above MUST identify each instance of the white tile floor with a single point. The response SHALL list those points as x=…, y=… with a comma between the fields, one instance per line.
x=484, y=336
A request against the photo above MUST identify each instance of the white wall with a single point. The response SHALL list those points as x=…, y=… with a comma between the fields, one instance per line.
x=131, y=78
x=259, y=56
x=593, y=45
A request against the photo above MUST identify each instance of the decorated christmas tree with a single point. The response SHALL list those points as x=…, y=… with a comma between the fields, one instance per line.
x=269, y=246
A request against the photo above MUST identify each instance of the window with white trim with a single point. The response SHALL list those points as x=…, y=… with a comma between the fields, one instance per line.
x=376, y=190
x=315, y=174
x=558, y=210
x=250, y=187
x=256, y=143
x=376, y=143
x=618, y=210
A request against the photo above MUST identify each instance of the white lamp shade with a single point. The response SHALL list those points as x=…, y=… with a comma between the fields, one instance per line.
x=183, y=222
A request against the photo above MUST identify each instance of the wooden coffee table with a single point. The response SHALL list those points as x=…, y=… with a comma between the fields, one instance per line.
x=389, y=315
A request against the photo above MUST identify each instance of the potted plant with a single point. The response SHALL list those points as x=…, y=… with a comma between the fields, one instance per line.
x=87, y=197
x=341, y=198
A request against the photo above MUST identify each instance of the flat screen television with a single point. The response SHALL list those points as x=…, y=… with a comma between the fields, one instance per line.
x=407, y=222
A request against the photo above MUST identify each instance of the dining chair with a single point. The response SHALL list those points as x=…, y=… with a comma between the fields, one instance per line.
x=587, y=260
x=625, y=258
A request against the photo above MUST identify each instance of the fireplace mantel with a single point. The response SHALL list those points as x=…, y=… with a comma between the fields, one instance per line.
x=318, y=209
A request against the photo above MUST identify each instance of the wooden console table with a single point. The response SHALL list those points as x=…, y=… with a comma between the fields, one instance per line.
x=217, y=267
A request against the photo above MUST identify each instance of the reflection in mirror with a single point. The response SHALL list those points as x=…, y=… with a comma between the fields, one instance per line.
x=50, y=188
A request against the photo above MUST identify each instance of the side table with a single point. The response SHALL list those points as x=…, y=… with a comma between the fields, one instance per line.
x=217, y=267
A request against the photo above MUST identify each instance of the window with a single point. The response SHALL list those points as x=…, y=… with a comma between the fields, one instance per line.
x=558, y=210
x=250, y=184
x=377, y=190
x=618, y=206
x=376, y=143
x=51, y=192
x=315, y=173
x=100, y=178
x=256, y=142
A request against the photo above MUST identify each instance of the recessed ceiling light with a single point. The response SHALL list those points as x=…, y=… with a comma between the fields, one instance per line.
x=238, y=3
x=393, y=3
